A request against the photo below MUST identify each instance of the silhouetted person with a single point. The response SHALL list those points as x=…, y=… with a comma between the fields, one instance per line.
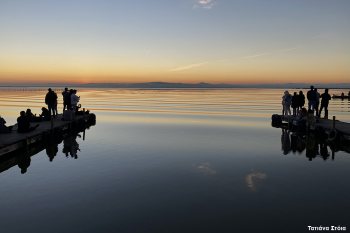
x=317, y=102
x=24, y=123
x=74, y=100
x=325, y=98
x=286, y=103
x=301, y=100
x=45, y=114
x=295, y=103
x=342, y=96
x=31, y=117
x=50, y=100
x=29, y=113
x=3, y=127
x=66, y=99
x=311, y=97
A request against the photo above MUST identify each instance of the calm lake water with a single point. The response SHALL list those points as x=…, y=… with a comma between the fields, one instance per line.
x=176, y=161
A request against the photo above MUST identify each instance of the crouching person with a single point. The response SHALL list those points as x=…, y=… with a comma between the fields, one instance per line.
x=24, y=124
x=45, y=114
x=3, y=127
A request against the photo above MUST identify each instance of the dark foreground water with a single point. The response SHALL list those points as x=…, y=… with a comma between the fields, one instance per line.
x=176, y=161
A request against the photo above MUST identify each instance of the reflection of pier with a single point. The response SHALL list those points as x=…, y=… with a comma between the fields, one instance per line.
x=15, y=141
x=314, y=144
x=22, y=156
x=317, y=137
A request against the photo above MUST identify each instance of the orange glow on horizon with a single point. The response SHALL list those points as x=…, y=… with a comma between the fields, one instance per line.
x=243, y=72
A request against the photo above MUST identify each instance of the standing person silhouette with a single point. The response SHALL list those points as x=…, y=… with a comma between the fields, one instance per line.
x=286, y=102
x=301, y=100
x=74, y=100
x=295, y=103
x=50, y=100
x=311, y=97
x=325, y=98
x=66, y=99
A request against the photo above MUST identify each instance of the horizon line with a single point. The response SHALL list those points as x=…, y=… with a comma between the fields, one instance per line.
x=160, y=84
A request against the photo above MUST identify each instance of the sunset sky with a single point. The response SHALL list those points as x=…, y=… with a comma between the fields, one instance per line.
x=231, y=41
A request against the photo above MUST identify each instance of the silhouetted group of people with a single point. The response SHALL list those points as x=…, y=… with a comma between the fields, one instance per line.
x=70, y=99
x=70, y=102
x=314, y=98
x=27, y=117
x=297, y=102
x=23, y=123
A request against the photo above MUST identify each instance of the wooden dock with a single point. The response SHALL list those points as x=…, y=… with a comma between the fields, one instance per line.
x=13, y=141
x=326, y=125
x=341, y=127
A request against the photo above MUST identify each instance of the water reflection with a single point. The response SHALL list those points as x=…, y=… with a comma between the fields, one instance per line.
x=206, y=168
x=313, y=143
x=71, y=146
x=253, y=179
x=22, y=157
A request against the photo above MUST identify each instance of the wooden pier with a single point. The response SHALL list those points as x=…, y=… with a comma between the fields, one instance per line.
x=13, y=141
x=332, y=127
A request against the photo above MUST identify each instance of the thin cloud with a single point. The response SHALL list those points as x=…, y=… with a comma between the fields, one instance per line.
x=284, y=50
x=206, y=4
x=255, y=55
x=188, y=67
x=287, y=49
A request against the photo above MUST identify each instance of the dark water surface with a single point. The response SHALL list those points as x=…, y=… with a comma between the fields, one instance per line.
x=176, y=161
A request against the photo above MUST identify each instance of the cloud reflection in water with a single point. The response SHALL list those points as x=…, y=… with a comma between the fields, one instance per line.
x=253, y=179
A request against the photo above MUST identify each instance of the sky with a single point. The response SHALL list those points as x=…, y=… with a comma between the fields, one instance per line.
x=216, y=41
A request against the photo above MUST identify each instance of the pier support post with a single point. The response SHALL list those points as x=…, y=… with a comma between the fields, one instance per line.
x=51, y=123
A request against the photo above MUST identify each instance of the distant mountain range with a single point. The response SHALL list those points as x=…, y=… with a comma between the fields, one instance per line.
x=159, y=85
